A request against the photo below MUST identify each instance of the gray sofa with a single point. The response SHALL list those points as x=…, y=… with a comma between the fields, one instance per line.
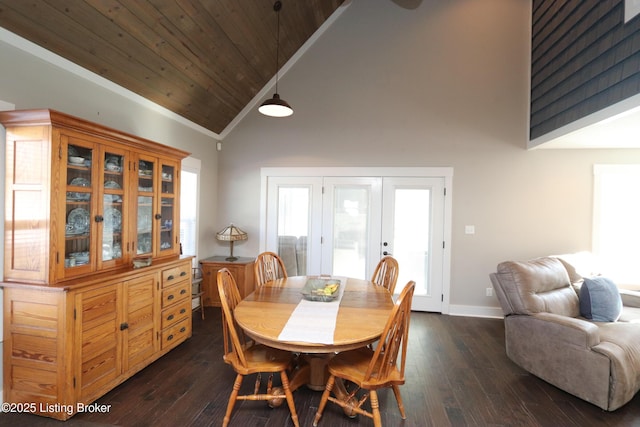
x=545, y=334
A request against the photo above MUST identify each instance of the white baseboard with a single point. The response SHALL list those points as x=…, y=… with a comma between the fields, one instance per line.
x=475, y=311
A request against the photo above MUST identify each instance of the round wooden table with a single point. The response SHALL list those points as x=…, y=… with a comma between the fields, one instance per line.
x=362, y=315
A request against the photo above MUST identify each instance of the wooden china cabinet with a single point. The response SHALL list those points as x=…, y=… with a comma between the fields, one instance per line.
x=82, y=202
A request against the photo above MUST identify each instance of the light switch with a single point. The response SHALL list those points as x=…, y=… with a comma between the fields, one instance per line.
x=469, y=229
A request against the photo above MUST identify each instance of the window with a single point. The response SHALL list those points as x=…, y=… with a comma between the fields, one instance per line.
x=189, y=196
x=616, y=228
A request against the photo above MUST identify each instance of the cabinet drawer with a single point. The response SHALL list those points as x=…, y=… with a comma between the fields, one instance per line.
x=175, y=313
x=174, y=275
x=176, y=333
x=174, y=294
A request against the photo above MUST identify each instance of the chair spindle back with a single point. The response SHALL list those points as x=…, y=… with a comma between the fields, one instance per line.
x=234, y=338
x=386, y=273
x=267, y=267
x=393, y=341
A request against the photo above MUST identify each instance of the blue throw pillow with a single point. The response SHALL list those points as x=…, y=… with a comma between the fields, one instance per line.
x=600, y=300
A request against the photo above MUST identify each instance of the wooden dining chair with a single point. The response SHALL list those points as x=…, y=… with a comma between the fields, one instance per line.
x=247, y=357
x=267, y=267
x=386, y=273
x=372, y=370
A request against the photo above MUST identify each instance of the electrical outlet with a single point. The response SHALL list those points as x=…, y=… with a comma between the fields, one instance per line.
x=489, y=292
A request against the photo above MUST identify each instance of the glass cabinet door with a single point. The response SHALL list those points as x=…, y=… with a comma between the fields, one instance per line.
x=78, y=208
x=168, y=189
x=113, y=209
x=145, y=208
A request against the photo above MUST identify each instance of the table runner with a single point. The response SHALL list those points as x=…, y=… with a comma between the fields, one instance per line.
x=313, y=321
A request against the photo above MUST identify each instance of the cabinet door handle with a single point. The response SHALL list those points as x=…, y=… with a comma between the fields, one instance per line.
x=158, y=216
x=170, y=337
x=170, y=297
x=170, y=317
x=124, y=326
x=99, y=218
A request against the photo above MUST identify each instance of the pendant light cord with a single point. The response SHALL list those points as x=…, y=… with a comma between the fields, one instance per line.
x=277, y=6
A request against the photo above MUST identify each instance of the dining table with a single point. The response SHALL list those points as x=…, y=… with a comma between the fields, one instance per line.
x=282, y=314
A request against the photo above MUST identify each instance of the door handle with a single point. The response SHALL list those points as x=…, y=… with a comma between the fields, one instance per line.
x=385, y=244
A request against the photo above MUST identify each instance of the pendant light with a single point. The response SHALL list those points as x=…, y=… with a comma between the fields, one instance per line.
x=276, y=107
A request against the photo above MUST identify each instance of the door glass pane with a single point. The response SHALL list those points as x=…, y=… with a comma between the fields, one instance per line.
x=145, y=224
x=113, y=207
x=166, y=223
x=167, y=211
x=411, y=237
x=168, y=173
x=145, y=176
x=293, y=228
x=350, y=231
x=112, y=228
x=144, y=240
x=78, y=206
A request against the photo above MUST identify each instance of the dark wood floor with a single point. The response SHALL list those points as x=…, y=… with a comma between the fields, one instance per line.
x=458, y=375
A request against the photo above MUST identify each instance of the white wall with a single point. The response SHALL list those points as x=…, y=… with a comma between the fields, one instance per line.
x=445, y=84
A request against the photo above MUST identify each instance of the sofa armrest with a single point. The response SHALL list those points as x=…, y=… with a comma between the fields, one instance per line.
x=571, y=330
x=630, y=298
x=560, y=350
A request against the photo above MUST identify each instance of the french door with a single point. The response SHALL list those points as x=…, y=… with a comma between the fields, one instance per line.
x=343, y=225
x=413, y=233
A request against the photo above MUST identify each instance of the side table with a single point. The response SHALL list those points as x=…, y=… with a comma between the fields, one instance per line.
x=241, y=270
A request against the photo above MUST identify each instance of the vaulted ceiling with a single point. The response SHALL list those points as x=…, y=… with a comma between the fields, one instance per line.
x=205, y=60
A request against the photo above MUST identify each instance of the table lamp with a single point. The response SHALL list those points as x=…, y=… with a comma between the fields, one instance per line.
x=230, y=234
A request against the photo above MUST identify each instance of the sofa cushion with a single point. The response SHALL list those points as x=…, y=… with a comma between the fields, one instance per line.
x=600, y=300
x=536, y=286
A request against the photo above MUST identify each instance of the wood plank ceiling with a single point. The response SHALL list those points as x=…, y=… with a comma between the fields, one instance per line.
x=204, y=60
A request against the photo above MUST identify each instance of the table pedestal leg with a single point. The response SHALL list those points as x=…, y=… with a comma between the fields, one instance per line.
x=318, y=373
x=311, y=371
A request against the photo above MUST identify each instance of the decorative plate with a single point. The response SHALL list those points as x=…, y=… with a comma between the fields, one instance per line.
x=111, y=184
x=78, y=197
x=112, y=219
x=80, y=182
x=78, y=219
x=325, y=290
